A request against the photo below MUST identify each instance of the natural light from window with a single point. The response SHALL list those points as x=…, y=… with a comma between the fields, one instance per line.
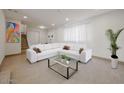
x=75, y=34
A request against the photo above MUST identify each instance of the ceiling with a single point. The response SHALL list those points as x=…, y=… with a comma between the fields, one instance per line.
x=46, y=17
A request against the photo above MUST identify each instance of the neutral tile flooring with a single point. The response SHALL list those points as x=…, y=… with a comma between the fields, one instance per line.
x=97, y=71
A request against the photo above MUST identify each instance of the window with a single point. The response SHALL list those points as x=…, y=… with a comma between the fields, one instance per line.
x=75, y=34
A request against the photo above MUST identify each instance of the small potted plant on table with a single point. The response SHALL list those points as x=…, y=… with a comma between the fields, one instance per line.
x=65, y=58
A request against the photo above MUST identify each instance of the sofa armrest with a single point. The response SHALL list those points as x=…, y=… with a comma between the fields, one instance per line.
x=86, y=55
x=31, y=55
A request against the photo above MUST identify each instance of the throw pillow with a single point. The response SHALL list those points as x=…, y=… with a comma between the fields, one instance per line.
x=80, y=50
x=66, y=47
x=37, y=50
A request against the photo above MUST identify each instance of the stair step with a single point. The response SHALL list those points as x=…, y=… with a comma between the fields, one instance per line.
x=24, y=43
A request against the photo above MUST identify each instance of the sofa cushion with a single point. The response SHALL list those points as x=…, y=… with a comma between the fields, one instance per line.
x=70, y=53
x=45, y=47
x=48, y=53
x=55, y=45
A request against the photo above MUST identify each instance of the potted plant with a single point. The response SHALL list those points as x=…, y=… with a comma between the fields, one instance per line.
x=113, y=45
x=67, y=59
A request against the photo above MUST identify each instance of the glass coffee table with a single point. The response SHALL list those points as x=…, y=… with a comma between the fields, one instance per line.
x=70, y=65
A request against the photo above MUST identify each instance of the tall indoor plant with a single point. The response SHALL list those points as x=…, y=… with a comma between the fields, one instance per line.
x=113, y=45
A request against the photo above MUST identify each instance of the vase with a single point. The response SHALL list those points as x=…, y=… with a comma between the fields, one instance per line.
x=114, y=63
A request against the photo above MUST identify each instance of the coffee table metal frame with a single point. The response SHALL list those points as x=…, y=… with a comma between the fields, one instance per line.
x=68, y=67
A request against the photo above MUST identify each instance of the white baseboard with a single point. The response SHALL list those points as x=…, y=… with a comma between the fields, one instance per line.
x=105, y=58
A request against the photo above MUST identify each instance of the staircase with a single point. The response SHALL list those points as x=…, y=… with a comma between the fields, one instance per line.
x=24, y=43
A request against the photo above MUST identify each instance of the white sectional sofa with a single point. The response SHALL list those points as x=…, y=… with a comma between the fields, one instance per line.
x=53, y=49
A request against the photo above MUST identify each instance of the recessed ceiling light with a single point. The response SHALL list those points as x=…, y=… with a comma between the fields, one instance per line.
x=42, y=27
x=53, y=24
x=25, y=17
x=67, y=19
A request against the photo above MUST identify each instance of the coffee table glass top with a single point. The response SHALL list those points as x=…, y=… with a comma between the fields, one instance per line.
x=64, y=60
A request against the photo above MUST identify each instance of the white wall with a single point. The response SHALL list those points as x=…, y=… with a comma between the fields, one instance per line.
x=14, y=48
x=36, y=36
x=23, y=28
x=2, y=36
x=95, y=33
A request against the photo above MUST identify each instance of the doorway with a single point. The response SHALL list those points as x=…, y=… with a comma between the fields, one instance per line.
x=24, y=43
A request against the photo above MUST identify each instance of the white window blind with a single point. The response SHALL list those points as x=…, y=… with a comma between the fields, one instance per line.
x=75, y=34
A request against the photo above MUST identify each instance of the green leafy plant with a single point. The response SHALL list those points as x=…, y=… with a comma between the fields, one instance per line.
x=113, y=41
x=65, y=57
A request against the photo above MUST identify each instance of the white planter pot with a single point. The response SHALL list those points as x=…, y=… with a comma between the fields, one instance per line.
x=114, y=63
